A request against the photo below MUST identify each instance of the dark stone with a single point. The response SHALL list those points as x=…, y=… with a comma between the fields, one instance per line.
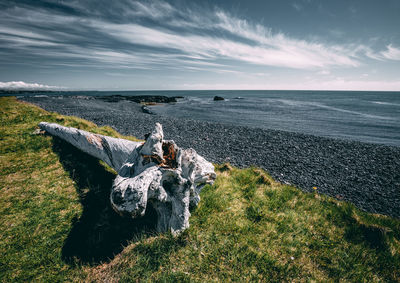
x=146, y=110
x=217, y=98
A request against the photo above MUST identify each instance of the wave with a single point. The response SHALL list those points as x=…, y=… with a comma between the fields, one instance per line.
x=321, y=105
x=385, y=103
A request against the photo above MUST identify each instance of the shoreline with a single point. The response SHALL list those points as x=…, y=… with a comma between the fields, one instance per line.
x=365, y=174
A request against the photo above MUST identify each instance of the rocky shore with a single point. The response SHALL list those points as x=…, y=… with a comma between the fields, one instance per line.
x=367, y=175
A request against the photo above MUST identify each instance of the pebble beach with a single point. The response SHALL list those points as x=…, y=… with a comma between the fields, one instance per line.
x=365, y=174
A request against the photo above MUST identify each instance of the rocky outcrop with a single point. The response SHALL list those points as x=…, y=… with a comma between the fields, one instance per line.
x=156, y=172
x=139, y=98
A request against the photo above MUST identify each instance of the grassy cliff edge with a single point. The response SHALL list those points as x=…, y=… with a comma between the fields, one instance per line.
x=56, y=224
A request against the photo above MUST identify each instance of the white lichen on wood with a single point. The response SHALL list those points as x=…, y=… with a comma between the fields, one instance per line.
x=156, y=172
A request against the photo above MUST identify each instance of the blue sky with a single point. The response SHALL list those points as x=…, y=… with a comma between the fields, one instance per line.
x=128, y=45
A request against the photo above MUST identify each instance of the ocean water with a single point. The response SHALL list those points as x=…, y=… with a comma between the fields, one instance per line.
x=367, y=116
x=362, y=116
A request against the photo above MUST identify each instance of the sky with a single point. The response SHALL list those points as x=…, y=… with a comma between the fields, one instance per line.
x=184, y=45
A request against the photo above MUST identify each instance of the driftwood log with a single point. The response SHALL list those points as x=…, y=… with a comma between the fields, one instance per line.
x=156, y=172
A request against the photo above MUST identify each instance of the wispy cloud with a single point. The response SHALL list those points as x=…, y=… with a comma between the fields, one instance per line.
x=144, y=38
x=280, y=50
x=392, y=53
x=297, y=6
x=324, y=72
x=26, y=86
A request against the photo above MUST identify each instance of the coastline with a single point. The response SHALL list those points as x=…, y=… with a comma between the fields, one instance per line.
x=367, y=175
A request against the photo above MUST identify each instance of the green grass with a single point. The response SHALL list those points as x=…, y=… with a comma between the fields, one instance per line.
x=56, y=223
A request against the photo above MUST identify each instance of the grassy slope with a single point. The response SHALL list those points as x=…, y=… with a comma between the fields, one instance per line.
x=56, y=225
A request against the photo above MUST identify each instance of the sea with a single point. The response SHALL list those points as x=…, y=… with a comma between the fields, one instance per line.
x=366, y=116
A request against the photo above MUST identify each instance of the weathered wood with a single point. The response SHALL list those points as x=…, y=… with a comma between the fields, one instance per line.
x=112, y=151
x=156, y=172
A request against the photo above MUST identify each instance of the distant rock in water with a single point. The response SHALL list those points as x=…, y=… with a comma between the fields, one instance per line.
x=217, y=98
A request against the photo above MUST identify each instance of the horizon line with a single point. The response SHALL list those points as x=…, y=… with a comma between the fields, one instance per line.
x=133, y=90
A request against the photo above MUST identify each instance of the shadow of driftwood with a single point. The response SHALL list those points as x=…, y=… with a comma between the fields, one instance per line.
x=100, y=233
